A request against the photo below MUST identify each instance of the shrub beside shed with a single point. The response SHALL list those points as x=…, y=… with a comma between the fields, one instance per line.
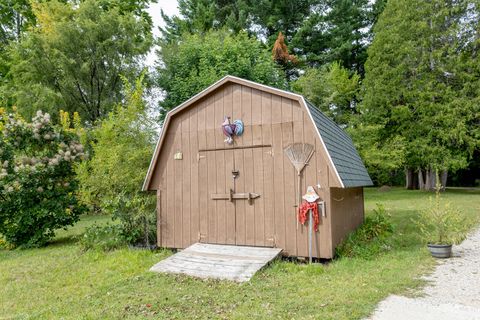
x=245, y=193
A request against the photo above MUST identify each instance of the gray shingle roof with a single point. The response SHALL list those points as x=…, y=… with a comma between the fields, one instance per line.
x=340, y=146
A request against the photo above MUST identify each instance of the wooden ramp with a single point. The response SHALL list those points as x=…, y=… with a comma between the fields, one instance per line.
x=216, y=261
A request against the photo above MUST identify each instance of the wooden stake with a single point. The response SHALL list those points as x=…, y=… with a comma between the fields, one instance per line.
x=310, y=233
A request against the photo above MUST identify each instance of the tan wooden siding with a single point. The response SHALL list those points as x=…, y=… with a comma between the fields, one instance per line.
x=348, y=212
x=186, y=212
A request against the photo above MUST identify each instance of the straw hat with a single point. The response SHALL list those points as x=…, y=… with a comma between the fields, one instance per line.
x=311, y=195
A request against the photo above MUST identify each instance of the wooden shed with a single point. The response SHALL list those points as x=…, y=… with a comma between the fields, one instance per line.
x=206, y=187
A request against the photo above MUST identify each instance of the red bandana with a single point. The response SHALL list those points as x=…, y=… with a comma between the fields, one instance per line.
x=303, y=213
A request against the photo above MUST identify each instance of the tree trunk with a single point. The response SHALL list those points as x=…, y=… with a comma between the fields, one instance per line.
x=443, y=179
x=421, y=182
x=409, y=180
x=430, y=180
x=427, y=180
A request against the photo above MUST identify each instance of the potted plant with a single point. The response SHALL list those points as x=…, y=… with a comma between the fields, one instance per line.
x=441, y=225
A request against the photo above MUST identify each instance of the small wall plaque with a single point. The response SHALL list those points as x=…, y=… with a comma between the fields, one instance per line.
x=178, y=156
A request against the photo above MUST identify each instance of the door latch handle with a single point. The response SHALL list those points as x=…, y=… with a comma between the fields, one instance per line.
x=235, y=173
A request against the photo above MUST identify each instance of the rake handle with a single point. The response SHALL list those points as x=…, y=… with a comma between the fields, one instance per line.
x=299, y=196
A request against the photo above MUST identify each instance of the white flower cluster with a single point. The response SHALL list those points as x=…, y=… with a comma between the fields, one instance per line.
x=70, y=152
x=14, y=186
x=39, y=123
x=3, y=171
x=47, y=137
x=11, y=125
x=28, y=164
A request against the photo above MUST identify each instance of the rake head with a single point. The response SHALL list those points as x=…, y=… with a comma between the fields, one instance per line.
x=299, y=154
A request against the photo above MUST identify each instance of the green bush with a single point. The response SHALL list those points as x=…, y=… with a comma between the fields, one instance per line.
x=370, y=239
x=111, y=180
x=107, y=237
x=37, y=180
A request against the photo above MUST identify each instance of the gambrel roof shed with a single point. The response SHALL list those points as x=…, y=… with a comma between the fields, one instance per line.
x=344, y=157
x=245, y=190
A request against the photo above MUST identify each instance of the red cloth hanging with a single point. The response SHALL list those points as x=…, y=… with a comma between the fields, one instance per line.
x=303, y=213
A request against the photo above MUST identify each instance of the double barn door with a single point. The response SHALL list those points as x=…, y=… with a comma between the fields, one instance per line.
x=237, y=188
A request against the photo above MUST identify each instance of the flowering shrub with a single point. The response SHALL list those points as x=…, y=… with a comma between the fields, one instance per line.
x=37, y=180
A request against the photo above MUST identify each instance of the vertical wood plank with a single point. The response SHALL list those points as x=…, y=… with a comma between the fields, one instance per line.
x=229, y=166
x=220, y=170
x=259, y=203
x=239, y=205
x=201, y=125
x=218, y=119
x=289, y=178
x=178, y=176
x=256, y=117
x=247, y=116
x=212, y=188
x=268, y=173
x=186, y=180
x=163, y=220
x=169, y=221
x=237, y=109
x=159, y=216
x=210, y=123
x=266, y=118
x=310, y=178
x=211, y=170
x=203, y=197
x=193, y=160
x=323, y=240
x=248, y=176
x=220, y=204
x=161, y=183
x=299, y=136
x=230, y=211
x=278, y=179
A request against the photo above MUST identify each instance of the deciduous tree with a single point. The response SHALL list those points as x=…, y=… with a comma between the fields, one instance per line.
x=196, y=62
x=73, y=58
x=332, y=89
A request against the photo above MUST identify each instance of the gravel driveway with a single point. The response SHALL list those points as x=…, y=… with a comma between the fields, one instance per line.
x=453, y=292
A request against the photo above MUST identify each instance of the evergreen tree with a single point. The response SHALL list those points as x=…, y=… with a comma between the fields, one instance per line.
x=269, y=17
x=338, y=30
x=200, y=16
x=263, y=18
x=422, y=86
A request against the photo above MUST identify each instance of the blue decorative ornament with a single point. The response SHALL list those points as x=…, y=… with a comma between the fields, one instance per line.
x=238, y=127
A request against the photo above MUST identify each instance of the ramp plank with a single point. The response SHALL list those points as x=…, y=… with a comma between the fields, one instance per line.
x=235, y=263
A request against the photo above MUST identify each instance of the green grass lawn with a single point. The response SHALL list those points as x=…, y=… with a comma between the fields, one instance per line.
x=61, y=281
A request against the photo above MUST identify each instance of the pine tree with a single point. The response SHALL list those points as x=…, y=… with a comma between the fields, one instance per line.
x=338, y=30
x=417, y=86
x=262, y=18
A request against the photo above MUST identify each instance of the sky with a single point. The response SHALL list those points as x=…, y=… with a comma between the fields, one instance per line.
x=170, y=8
